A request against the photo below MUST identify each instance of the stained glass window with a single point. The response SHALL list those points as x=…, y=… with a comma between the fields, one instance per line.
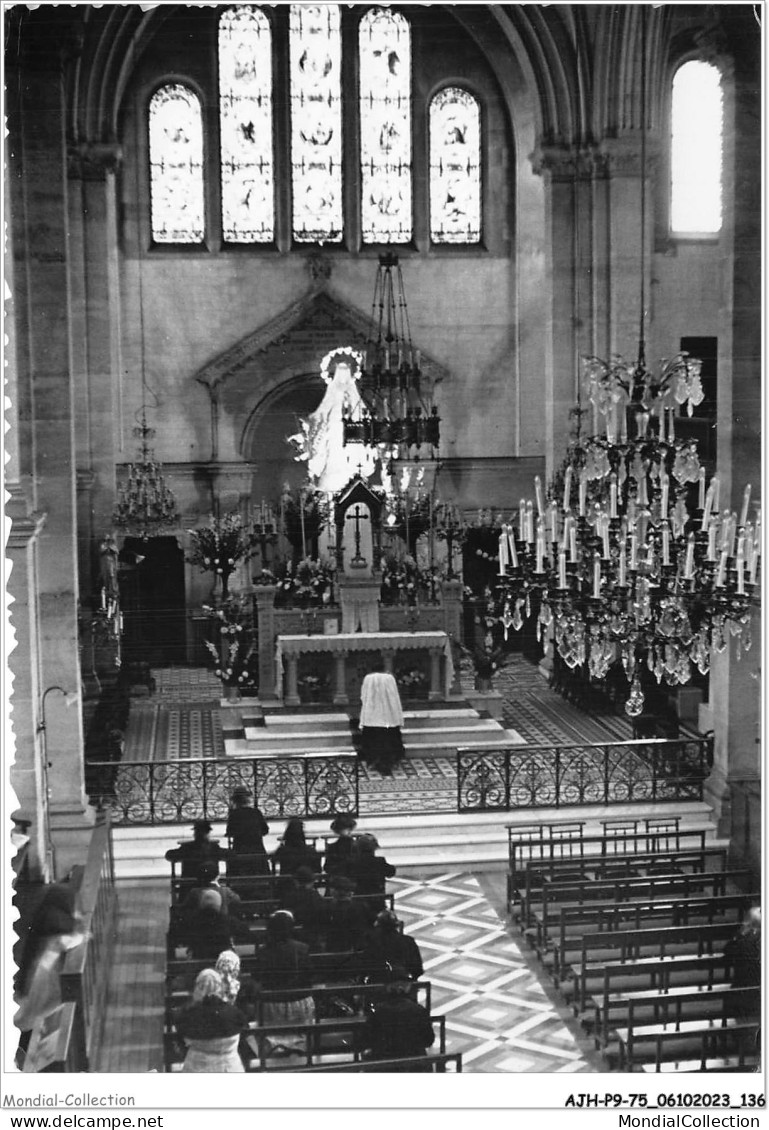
x=385, y=127
x=176, y=165
x=245, y=121
x=455, y=167
x=697, y=127
x=316, y=122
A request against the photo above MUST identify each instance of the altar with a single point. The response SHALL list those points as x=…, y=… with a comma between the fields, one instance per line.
x=354, y=654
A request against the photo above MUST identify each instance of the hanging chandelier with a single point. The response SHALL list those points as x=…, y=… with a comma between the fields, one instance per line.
x=145, y=507
x=397, y=394
x=631, y=559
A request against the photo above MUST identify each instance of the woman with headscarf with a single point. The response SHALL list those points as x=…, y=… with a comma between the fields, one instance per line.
x=211, y=1027
x=283, y=964
x=55, y=929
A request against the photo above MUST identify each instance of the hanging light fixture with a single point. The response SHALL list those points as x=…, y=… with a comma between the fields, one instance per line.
x=146, y=506
x=631, y=559
x=397, y=393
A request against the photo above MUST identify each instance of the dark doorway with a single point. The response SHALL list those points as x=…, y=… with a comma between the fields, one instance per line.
x=151, y=576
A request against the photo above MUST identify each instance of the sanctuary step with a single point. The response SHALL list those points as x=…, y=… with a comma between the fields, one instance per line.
x=424, y=844
x=432, y=732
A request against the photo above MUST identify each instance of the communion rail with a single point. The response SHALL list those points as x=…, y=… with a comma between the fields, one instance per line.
x=487, y=780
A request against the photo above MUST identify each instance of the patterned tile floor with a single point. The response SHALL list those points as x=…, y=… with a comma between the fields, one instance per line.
x=498, y=1014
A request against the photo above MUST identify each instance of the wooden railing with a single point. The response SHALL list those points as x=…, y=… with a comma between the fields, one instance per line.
x=85, y=977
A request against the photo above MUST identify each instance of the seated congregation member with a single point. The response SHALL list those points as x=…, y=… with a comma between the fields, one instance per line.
x=200, y=849
x=246, y=828
x=337, y=855
x=381, y=719
x=294, y=851
x=386, y=946
x=370, y=873
x=208, y=880
x=209, y=929
x=398, y=1027
x=284, y=964
x=211, y=1027
x=744, y=954
x=307, y=906
x=346, y=921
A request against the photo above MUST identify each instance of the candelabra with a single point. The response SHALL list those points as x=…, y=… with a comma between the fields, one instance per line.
x=630, y=559
x=397, y=394
x=264, y=531
x=451, y=528
x=145, y=506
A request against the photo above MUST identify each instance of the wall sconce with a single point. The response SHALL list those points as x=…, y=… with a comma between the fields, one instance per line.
x=70, y=698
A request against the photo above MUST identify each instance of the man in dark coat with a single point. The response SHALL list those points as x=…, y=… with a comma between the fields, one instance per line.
x=200, y=849
x=307, y=905
x=398, y=1027
x=246, y=829
x=386, y=947
x=346, y=921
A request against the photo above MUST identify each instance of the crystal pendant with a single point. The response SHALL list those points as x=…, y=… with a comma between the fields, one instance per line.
x=635, y=703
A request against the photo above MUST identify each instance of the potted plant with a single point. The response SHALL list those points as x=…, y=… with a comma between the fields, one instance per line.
x=487, y=658
x=233, y=648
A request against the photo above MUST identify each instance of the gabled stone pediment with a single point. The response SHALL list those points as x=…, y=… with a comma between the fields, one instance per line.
x=318, y=311
x=358, y=490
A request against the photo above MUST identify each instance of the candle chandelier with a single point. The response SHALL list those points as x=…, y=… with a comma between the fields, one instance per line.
x=145, y=507
x=396, y=392
x=632, y=559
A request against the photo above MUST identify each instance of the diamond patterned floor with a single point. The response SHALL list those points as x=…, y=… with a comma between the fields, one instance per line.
x=497, y=1012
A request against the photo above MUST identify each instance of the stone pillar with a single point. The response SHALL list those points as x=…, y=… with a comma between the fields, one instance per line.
x=340, y=678
x=291, y=696
x=435, y=693
x=265, y=613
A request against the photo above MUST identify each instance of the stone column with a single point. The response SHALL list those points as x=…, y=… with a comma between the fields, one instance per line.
x=265, y=612
x=340, y=678
x=291, y=695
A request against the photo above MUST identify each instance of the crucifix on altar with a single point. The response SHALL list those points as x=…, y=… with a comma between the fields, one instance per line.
x=358, y=514
x=358, y=561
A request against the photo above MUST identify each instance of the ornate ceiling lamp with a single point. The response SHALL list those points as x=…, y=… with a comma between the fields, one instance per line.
x=631, y=560
x=398, y=395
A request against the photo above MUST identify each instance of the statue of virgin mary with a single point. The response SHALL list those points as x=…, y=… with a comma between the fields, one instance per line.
x=331, y=464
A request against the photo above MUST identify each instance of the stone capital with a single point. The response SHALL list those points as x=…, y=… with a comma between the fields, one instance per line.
x=91, y=161
x=567, y=162
x=621, y=156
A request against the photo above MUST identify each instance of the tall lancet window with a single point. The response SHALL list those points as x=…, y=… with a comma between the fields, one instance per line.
x=385, y=127
x=176, y=165
x=455, y=167
x=696, y=149
x=316, y=122
x=245, y=120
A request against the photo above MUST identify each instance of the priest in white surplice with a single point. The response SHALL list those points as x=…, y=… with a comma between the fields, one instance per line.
x=381, y=718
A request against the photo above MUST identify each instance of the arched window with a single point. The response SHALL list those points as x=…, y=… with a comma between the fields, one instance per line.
x=316, y=122
x=455, y=167
x=384, y=49
x=245, y=125
x=696, y=144
x=176, y=165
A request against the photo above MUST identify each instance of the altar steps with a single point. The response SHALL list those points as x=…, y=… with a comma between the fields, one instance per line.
x=416, y=844
x=432, y=732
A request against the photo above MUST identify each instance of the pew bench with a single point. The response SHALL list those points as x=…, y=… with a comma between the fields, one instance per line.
x=661, y=1036
x=433, y=1062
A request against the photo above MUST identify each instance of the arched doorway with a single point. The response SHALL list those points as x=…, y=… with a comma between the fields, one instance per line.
x=151, y=580
x=265, y=443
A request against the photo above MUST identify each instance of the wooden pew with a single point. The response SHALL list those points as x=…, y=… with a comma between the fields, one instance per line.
x=672, y=1029
x=627, y=945
x=715, y=1054
x=432, y=1062
x=594, y=918
x=57, y=1043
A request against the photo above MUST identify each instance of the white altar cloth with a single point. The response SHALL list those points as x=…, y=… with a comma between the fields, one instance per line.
x=364, y=641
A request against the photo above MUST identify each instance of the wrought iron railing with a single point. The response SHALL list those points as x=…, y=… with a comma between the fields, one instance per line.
x=547, y=776
x=174, y=792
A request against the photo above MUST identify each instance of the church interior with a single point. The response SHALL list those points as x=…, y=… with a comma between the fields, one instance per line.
x=417, y=342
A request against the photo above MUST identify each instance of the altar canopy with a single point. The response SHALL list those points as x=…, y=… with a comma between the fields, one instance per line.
x=346, y=645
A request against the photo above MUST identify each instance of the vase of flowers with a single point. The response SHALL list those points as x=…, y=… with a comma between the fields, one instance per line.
x=308, y=585
x=220, y=546
x=487, y=658
x=232, y=649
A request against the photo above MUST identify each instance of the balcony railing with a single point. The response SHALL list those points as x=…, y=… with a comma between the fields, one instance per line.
x=559, y=776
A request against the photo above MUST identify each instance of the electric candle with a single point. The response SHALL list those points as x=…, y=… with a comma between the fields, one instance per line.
x=745, y=505
x=529, y=523
x=665, y=543
x=573, y=544
x=708, y=505
x=623, y=425
x=553, y=508
x=595, y=419
x=502, y=554
x=605, y=536
x=582, y=494
x=712, y=541
x=701, y=501
x=511, y=547
x=540, y=549
x=689, y=562
x=613, y=495
x=716, y=492
x=567, y=489
x=633, y=551
x=596, y=577
x=671, y=426
x=622, y=566
x=732, y=532
x=562, y=569
x=643, y=498
x=538, y=492
x=740, y=576
x=665, y=485
x=721, y=576
x=522, y=519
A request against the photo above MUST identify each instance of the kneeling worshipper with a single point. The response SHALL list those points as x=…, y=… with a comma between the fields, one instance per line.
x=211, y=1027
x=398, y=1027
x=381, y=718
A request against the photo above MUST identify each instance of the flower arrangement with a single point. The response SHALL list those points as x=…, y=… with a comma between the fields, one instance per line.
x=403, y=581
x=309, y=583
x=233, y=651
x=487, y=656
x=412, y=682
x=219, y=547
x=312, y=686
